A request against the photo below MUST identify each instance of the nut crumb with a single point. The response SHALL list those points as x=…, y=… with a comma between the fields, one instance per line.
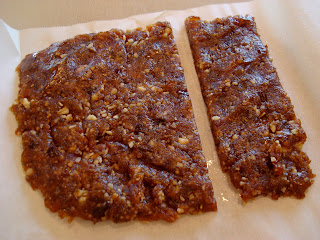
x=235, y=136
x=25, y=102
x=92, y=117
x=114, y=91
x=183, y=141
x=94, y=97
x=130, y=144
x=191, y=196
x=63, y=111
x=180, y=210
x=179, y=164
x=29, y=171
x=215, y=118
x=273, y=127
x=141, y=88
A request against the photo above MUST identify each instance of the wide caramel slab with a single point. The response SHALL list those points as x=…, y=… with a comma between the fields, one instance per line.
x=108, y=129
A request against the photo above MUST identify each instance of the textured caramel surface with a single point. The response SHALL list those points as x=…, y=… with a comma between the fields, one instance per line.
x=256, y=132
x=108, y=130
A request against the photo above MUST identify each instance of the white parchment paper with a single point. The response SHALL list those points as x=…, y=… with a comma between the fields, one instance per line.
x=292, y=32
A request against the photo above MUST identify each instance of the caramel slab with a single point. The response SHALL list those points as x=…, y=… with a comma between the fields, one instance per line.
x=108, y=130
x=257, y=134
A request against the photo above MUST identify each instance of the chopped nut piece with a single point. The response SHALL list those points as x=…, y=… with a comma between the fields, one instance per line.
x=141, y=88
x=63, y=111
x=114, y=91
x=94, y=97
x=235, y=136
x=273, y=127
x=179, y=164
x=92, y=117
x=109, y=132
x=82, y=199
x=33, y=132
x=151, y=143
x=25, y=102
x=180, y=210
x=69, y=117
x=215, y=118
x=168, y=31
x=294, y=131
x=98, y=160
x=29, y=171
x=183, y=141
x=130, y=144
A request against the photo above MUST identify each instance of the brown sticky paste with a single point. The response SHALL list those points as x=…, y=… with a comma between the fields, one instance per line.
x=108, y=130
x=256, y=132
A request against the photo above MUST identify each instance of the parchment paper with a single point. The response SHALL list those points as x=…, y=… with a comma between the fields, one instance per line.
x=292, y=32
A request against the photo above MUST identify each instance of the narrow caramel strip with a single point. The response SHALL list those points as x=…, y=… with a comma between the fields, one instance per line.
x=257, y=134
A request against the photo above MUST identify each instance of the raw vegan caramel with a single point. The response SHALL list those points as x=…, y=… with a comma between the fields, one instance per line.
x=108, y=129
x=257, y=134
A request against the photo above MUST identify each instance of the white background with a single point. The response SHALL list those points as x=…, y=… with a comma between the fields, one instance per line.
x=22, y=14
x=292, y=31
